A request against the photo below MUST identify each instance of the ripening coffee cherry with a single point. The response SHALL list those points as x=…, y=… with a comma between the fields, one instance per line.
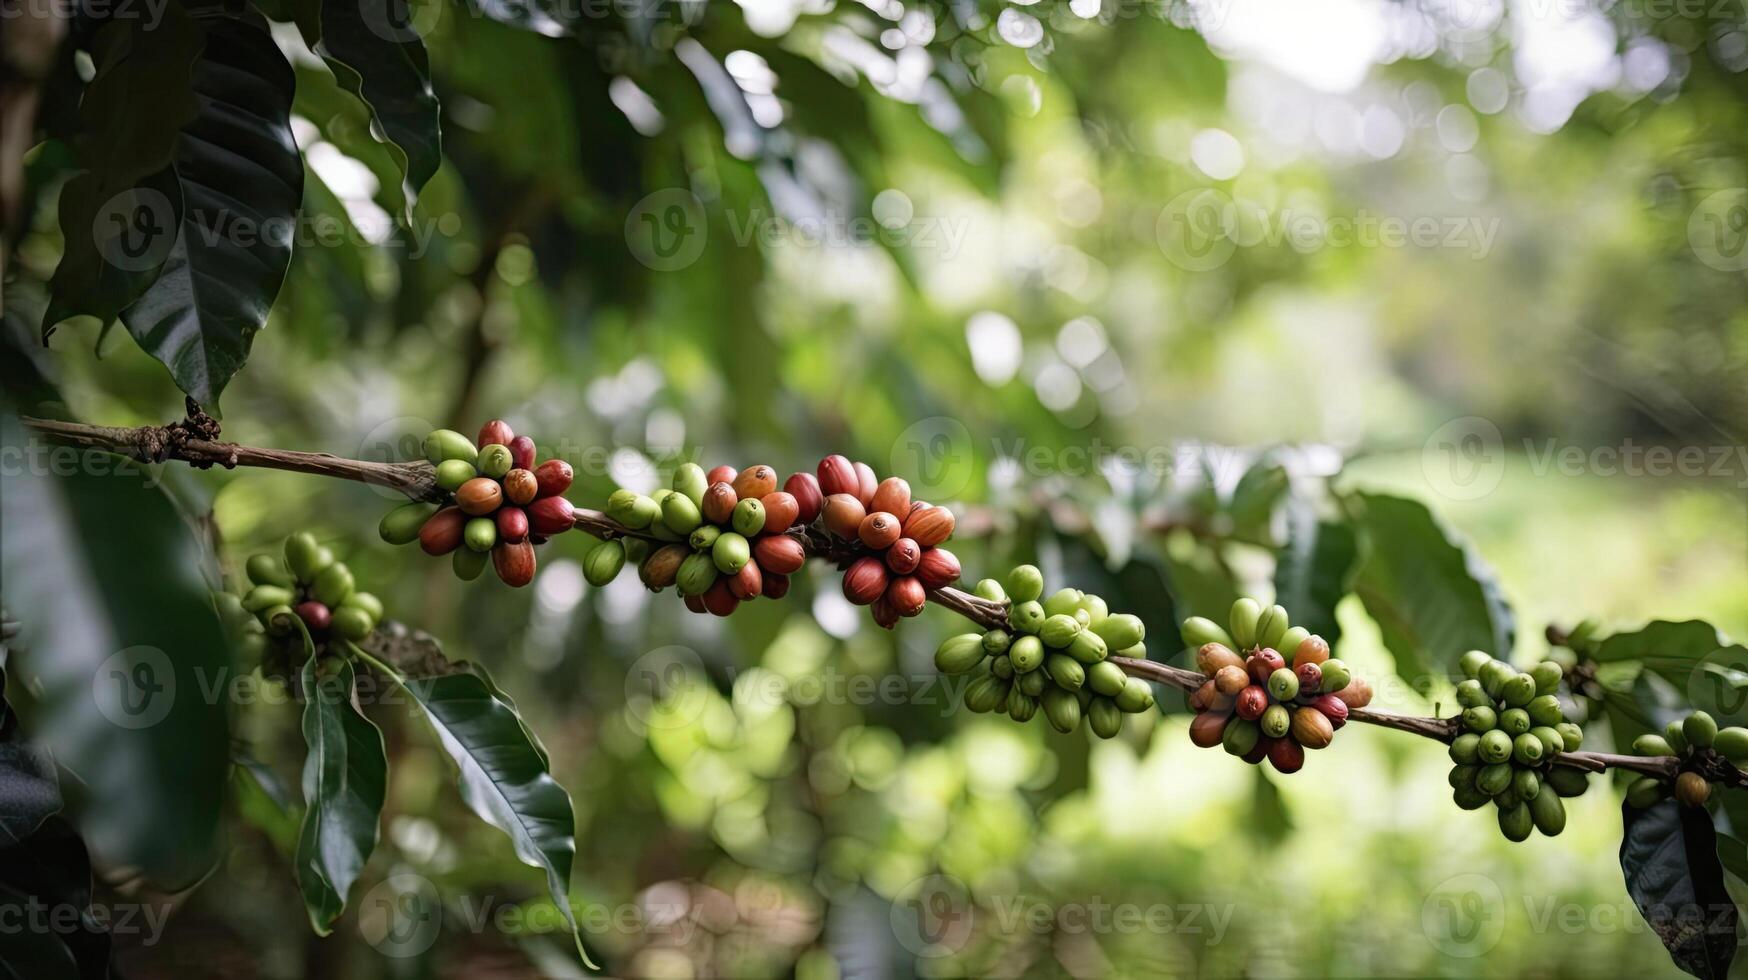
x=1286, y=755
x=748, y=583
x=496, y=431
x=878, y=530
x=1213, y=656
x=521, y=487
x=1336, y=677
x=906, y=595
x=903, y=556
x=441, y=533
x=776, y=586
x=514, y=562
x=885, y=616
x=837, y=475
x=938, y=568
x=1333, y=708
x=865, y=580
x=1310, y=677
x=1691, y=789
x=866, y=483
x=1311, y=728
x=808, y=498
x=315, y=615
x=780, y=554
x=755, y=482
x=781, y=511
x=662, y=567
x=843, y=515
x=1262, y=665
x=892, y=495
x=479, y=496
x=720, y=474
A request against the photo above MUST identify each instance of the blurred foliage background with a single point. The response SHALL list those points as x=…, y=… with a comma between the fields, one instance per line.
x=1000, y=250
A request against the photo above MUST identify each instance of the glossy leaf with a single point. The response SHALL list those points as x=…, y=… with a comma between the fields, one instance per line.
x=241, y=181
x=126, y=656
x=345, y=779
x=1312, y=569
x=1431, y=596
x=1669, y=857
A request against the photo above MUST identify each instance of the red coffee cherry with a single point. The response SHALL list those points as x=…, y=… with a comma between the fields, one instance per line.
x=938, y=568
x=885, y=616
x=441, y=533
x=838, y=475
x=720, y=474
x=892, y=496
x=521, y=452
x=512, y=523
x=1262, y=663
x=695, y=603
x=929, y=526
x=878, y=530
x=315, y=615
x=843, y=515
x=514, y=562
x=1252, y=702
x=906, y=595
x=554, y=476
x=1286, y=755
x=781, y=511
x=778, y=554
x=776, y=586
x=903, y=556
x=747, y=583
x=719, y=598
x=719, y=501
x=865, y=581
x=808, y=498
x=866, y=484
x=479, y=496
x=496, y=432
x=550, y=515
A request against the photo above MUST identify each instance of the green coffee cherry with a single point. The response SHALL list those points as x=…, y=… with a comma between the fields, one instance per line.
x=1025, y=584
x=1566, y=781
x=997, y=641
x=1493, y=675
x=990, y=589
x=1470, y=798
x=1526, y=784
x=495, y=461
x=399, y=526
x=1550, y=738
x=1465, y=749
x=1120, y=631
x=1087, y=647
x=703, y=537
x=1199, y=631
x=1517, y=691
x=1027, y=653
x=305, y=557
x=1270, y=627
x=1245, y=613
x=1677, y=739
x=1548, y=675
x=1135, y=696
x=1062, y=708
x=1732, y=744
x=468, y=563
x=731, y=553
x=352, y=622
x=444, y=444
x=1651, y=744
x=748, y=517
x=1700, y=730
x=480, y=533
x=1544, y=709
x=1027, y=617
x=1472, y=662
x=452, y=473
x=1106, y=719
x=1021, y=707
x=1032, y=682
x=1571, y=735
x=958, y=654
x=1644, y=792
x=264, y=597
x=1471, y=695
x=1461, y=776
x=1106, y=678
x=1136, y=652
x=1516, y=823
x=268, y=570
x=1290, y=641
x=1275, y=720
x=1058, y=630
x=1095, y=607
x=1284, y=684
x=1002, y=667
x=1494, y=778
x=604, y=563
x=1063, y=602
x=1065, y=671
x=280, y=621
x=1548, y=812
x=1526, y=749
x=1494, y=747
x=367, y=602
x=632, y=509
x=697, y=572
x=689, y=482
x=1514, y=721
x=1507, y=799
x=1240, y=736
x=985, y=693
x=1336, y=676
x=679, y=514
x=332, y=585
x=1479, y=718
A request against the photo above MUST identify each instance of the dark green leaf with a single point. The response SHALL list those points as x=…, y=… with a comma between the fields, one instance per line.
x=118, y=214
x=1669, y=857
x=377, y=54
x=1312, y=569
x=241, y=181
x=119, y=638
x=345, y=779
x=30, y=793
x=1253, y=501
x=1431, y=596
x=47, y=873
x=504, y=777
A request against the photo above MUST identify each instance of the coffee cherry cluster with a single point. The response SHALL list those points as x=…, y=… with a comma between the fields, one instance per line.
x=1692, y=740
x=1272, y=690
x=901, y=538
x=500, y=504
x=311, y=585
x=1052, y=655
x=726, y=535
x=1512, y=729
